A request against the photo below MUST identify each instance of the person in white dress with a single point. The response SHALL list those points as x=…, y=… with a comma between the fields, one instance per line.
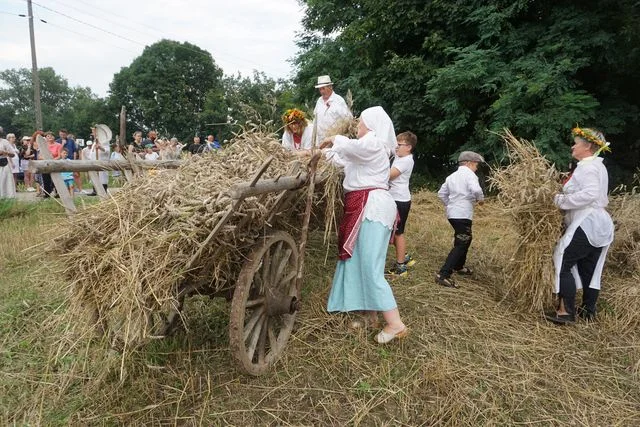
x=330, y=108
x=7, y=155
x=580, y=254
x=369, y=218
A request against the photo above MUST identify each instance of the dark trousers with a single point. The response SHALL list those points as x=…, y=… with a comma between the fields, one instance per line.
x=580, y=253
x=47, y=184
x=461, y=241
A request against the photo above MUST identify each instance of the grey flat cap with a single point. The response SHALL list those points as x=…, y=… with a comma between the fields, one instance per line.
x=470, y=156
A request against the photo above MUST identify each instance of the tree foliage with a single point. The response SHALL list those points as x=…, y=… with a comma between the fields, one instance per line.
x=73, y=108
x=167, y=87
x=457, y=72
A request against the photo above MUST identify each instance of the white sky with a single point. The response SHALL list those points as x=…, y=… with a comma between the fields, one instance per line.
x=241, y=35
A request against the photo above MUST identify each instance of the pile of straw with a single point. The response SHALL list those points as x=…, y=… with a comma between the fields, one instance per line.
x=527, y=187
x=625, y=249
x=127, y=256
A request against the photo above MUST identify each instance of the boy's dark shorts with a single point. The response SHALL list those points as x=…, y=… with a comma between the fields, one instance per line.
x=403, y=211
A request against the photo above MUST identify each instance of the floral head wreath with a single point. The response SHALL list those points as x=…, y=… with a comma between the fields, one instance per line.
x=593, y=137
x=293, y=115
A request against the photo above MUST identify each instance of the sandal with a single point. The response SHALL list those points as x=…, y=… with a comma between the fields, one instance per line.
x=386, y=337
x=446, y=281
x=465, y=271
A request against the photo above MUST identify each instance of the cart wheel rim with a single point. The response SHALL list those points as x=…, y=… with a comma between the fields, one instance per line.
x=257, y=335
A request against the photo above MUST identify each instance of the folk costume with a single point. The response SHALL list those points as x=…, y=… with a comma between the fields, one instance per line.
x=7, y=184
x=580, y=253
x=302, y=140
x=369, y=217
x=330, y=111
x=459, y=192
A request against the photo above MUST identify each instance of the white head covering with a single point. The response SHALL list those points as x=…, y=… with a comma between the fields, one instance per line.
x=377, y=120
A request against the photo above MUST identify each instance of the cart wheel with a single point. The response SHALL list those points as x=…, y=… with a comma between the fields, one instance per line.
x=264, y=303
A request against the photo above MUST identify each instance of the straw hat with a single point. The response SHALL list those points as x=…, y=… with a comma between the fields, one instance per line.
x=324, y=81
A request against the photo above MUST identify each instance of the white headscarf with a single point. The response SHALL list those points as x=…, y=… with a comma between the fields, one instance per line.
x=377, y=120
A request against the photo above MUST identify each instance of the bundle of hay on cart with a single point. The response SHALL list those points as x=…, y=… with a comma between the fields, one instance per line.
x=231, y=223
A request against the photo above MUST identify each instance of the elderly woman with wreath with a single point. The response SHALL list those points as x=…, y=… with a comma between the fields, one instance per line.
x=580, y=254
x=298, y=134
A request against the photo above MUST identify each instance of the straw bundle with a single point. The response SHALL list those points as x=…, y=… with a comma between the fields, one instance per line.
x=527, y=187
x=625, y=249
x=127, y=256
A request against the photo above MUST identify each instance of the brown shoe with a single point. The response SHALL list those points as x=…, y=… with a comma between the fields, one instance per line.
x=446, y=281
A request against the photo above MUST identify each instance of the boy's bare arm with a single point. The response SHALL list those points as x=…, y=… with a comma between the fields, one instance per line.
x=394, y=174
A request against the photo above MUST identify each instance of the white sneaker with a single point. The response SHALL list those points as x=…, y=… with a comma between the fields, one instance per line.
x=31, y=189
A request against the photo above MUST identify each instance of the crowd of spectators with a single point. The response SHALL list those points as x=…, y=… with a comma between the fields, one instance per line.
x=15, y=175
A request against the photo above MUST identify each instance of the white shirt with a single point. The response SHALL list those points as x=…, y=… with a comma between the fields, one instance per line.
x=586, y=190
x=151, y=156
x=305, y=143
x=327, y=113
x=458, y=193
x=399, y=187
x=366, y=165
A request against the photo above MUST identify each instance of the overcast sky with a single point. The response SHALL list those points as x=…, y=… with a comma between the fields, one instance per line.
x=87, y=41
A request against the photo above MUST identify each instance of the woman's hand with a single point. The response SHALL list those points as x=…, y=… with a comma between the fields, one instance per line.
x=327, y=143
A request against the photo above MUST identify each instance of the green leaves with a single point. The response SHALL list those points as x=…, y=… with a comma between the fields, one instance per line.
x=455, y=71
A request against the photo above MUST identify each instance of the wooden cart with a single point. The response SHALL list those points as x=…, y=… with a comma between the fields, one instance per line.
x=266, y=295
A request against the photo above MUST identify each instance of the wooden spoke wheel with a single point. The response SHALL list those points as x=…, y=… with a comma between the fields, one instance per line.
x=264, y=303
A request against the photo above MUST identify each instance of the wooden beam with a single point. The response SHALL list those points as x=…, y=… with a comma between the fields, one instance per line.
x=50, y=166
x=123, y=127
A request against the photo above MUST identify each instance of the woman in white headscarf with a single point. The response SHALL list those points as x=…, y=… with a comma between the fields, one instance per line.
x=369, y=218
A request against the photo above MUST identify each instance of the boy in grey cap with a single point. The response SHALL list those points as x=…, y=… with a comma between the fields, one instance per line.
x=458, y=193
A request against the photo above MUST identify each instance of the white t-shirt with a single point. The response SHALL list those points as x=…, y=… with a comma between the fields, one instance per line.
x=399, y=187
x=151, y=156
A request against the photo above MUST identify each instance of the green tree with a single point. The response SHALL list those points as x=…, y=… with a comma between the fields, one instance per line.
x=455, y=72
x=166, y=88
x=74, y=108
x=259, y=99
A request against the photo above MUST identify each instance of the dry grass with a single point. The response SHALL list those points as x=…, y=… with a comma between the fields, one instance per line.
x=527, y=186
x=126, y=259
x=470, y=359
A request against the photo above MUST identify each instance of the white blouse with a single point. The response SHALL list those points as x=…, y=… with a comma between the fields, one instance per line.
x=366, y=165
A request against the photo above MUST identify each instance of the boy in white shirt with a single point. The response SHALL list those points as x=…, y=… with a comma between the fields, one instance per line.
x=400, y=173
x=460, y=190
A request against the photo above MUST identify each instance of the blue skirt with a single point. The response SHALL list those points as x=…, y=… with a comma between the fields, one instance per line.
x=359, y=283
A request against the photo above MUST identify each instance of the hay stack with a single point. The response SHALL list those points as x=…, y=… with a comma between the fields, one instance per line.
x=127, y=256
x=625, y=249
x=527, y=187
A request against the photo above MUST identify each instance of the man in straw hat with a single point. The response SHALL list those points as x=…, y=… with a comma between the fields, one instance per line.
x=458, y=193
x=330, y=108
x=580, y=254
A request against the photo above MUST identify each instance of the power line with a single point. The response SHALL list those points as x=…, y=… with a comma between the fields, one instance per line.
x=89, y=25
x=105, y=19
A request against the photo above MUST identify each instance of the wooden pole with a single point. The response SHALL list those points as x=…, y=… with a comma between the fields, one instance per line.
x=49, y=166
x=123, y=128
x=34, y=70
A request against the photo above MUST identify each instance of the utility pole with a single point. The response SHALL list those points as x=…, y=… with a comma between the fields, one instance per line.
x=34, y=70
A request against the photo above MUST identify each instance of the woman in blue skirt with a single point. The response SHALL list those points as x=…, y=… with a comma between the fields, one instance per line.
x=369, y=218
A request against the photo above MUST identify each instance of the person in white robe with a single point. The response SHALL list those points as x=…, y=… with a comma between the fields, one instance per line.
x=368, y=221
x=580, y=254
x=7, y=155
x=330, y=108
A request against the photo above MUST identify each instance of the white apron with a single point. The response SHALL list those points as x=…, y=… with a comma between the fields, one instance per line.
x=585, y=197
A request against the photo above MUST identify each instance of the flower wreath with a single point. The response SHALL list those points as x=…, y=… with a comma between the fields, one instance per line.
x=293, y=115
x=593, y=137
